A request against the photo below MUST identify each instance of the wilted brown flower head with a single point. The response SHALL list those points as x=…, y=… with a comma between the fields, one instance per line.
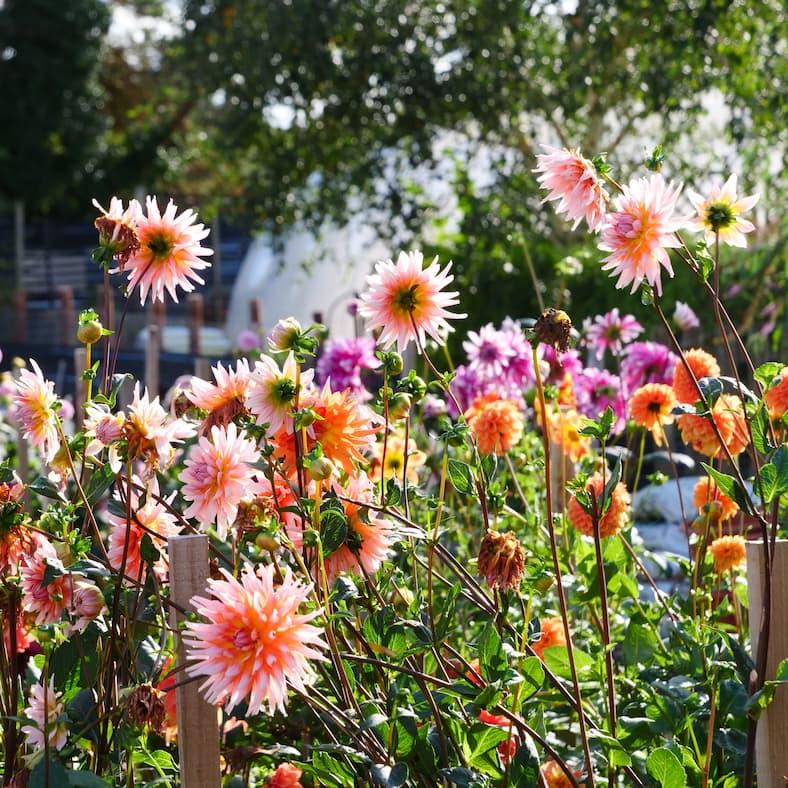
x=501, y=560
x=145, y=706
x=554, y=327
x=117, y=229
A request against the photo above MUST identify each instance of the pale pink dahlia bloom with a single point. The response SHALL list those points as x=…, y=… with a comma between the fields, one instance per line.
x=87, y=603
x=169, y=253
x=271, y=395
x=640, y=231
x=721, y=212
x=151, y=432
x=34, y=408
x=47, y=600
x=573, y=181
x=152, y=518
x=684, y=316
x=218, y=476
x=103, y=429
x=226, y=398
x=611, y=331
x=255, y=642
x=404, y=295
x=45, y=711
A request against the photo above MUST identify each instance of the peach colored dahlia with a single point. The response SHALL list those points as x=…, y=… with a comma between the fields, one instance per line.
x=226, y=398
x=45, y=711
x=285, y=776
x=637, y=235
x=395, y=459
x=706, y=491
x=728, y=552
x=255, y=642
x=34, y=408
x=651, y=407
x=614, y=520
x=272, y=393
x=703, y=365
x=407, y=301
x=574, y=183
x=728, y=415
x=496, y=424
x=777, y=395
x=102, y=429
x=169, y=253
x=551, y=634
x=721, y=212
x=46, y=600
x=554, y=777
x=217, y=476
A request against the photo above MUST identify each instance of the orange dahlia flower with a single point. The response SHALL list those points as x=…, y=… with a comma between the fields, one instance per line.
x=554, y=777
x=702, y=364
x=614, y=520
x=552, y=634
x=698, y=432
x=777, y=396
x=728, y=552
x=706, y=491
x=651, y=407
x=496, y=424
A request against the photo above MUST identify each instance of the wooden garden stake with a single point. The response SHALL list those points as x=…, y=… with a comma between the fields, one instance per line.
x=771, y=744
x=152, y=350
x=198, y=722
x=196, y=319
x=68, y=315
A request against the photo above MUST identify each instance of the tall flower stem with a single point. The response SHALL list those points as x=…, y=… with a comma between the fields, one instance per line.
x=557, y=569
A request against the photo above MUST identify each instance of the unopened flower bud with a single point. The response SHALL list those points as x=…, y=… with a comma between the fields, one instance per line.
x=321, y=469
x=554, y=328
x=501, y=560
x=392, y=363
x=87, y=603
x=285, y=335
x=399, y=405
x=90, y=332
x=267, y=542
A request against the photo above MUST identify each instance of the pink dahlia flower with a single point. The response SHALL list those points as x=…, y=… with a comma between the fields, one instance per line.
x=248, y=340
x=169, y=253
x=217, y=476
x=45, y=712
x=226, y=398
x=640, y=231
x=573, y=181
x=103, y=429
x=721, y=212
x=646, y=362
x=272, y=391
x=611, y=332
x=285, y=776
x=343, y=360
x=684, y=317
x=254, y=642
x=87, y=603
x=488, y=351
x=598, y=389
x=151, y=518
x=34, y=408
x=47, y=600
x=407, y=301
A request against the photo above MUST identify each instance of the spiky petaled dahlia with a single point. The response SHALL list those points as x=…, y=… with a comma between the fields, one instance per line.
x=551, y=633
x=272, y=392
x=640, y=231
x=47, y=600
x=684, y=317
x=777, y=395
x=728, y=552
x=488, y=351
x=554, y=777
x=573, y=181
x=285, y=776
x=217, y=476
x=703, y=365
x=223, y=400
x=255, y=643
x=501, y=560
x=395, y=459
x=151, y=518
x=611, y=332
x=496, y=424
x=408, y=302
x=118, y=230
x=45, y=711
x=151, y=433
x=721, y=212
x=169, y=253
x=651, y=407
x=103, y=429
x=33, y=406
x=706, y=491
x=369, y=536
x=614, y=520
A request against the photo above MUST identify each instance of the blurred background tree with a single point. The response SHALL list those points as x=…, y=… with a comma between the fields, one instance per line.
x=428, y=116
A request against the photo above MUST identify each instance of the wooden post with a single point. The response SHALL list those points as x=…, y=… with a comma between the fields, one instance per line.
x=202, y=368
x=105, y=296
x=80, y=386
x=256, y=314
x=19, y=244
x=771, y=752
x=196, y=320
x=216, y=264
x=20, y=317
x=152, y=350
x=158, y=314
x=198, y=722
x=68, y=315
x=562, y=470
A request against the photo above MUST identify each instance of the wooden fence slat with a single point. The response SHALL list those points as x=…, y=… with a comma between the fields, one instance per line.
x=198, y=723
x=771, y=744
x=152, y=352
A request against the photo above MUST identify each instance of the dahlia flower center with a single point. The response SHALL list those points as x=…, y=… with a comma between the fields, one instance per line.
x=613, y=332
x=720, y=215
x=284, y=391
x=406, y=300
x=244, y=638
x=488, y=352
x=160, y=245
x=655, y=407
